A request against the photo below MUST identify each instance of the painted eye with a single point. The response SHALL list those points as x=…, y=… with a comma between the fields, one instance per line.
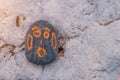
x=53, y=40
x=46, y=35
x=37, y=31
x=29, y=42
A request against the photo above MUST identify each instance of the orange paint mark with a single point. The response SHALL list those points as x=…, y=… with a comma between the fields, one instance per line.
x=29, y=42
x=41, y=42
x=37, y=31
x=35, y=27
x=46, y=35
x=47, y=29
x=39, y=50
x=53, y=40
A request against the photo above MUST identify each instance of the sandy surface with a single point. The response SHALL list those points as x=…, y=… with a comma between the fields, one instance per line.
x=92, y=50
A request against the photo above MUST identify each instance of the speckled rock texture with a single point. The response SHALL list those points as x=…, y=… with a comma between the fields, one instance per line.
x=92, y=33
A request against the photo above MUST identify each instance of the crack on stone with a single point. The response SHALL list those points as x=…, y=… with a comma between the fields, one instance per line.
x=82, y=29
x=12, y=48
x=107, y=22
x=5, y=45
x=77, y=35
x=20, y=46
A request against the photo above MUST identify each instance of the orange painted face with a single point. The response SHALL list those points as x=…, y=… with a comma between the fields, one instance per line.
x=41, y=41
x=37, y=33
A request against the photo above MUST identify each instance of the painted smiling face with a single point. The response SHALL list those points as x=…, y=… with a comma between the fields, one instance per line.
x=41, y=43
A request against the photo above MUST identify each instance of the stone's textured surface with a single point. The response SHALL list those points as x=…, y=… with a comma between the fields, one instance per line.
x=91, y=28
x=41, y=43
